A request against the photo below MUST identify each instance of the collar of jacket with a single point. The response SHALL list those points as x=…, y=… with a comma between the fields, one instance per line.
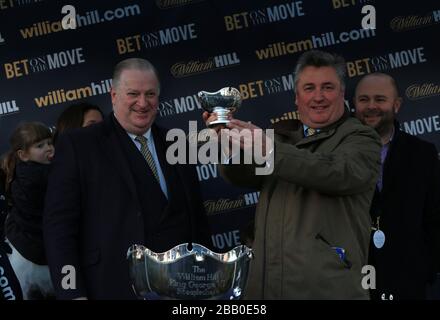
x=292, y=129
x=396, y=130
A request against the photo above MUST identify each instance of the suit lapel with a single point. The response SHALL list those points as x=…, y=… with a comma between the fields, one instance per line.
x=393, y=162
x=173, y=174
x=161, y=148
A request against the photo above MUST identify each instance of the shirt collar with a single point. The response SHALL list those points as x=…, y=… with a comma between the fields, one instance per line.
x=305, y=127
x=146, y=135
x=392, y=135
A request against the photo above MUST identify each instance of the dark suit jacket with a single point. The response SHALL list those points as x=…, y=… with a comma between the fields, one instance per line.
x=409, y=210
x=3, y=203
x=94, y=211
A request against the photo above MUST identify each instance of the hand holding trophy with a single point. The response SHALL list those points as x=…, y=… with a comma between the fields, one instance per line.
x=222, y=102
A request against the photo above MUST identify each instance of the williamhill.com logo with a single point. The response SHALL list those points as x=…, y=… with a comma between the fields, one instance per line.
x=92, y=17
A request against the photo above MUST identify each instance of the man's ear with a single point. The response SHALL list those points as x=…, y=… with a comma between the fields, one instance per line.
x=113, y=95
x=22, y=155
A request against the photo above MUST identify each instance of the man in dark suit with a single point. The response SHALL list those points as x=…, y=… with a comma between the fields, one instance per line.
x=405, y=211
x=111, y=187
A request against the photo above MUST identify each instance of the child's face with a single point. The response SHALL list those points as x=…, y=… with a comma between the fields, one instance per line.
x=41, y=152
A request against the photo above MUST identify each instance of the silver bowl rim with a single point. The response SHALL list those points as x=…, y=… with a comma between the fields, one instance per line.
x=181, y=251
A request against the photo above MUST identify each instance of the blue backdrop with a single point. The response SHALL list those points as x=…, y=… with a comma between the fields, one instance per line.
x=206, y=45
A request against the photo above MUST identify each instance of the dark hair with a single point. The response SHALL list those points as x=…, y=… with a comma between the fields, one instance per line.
x=316, y=58
x=23, y=137
x=73, y=117
x=133, y=64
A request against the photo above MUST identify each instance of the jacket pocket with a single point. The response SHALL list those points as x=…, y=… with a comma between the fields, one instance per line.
x=335, y=251
x=91, y=257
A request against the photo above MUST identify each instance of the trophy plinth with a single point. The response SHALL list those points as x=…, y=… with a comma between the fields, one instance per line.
x=224, y=101
x=195, y=274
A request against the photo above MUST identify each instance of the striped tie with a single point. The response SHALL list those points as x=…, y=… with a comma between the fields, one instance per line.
x=147, y=155
x=310, y=131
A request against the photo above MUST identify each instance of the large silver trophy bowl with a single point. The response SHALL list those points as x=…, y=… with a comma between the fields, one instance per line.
x=222, y=102
x=181, y=273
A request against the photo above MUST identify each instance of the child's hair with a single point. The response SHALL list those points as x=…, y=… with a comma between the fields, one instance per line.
x=22, y=138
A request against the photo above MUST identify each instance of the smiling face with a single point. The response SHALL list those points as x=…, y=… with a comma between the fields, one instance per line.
x=319, y=96
x=135, y=100
x=377, y=102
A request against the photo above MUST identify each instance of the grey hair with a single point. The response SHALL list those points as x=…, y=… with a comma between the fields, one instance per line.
x=316, y=58
x=132, y=64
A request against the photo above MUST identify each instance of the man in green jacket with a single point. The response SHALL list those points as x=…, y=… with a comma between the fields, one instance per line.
x=312, y=222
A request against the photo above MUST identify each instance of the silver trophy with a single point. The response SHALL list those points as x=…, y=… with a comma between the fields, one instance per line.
x=184, y=274
x=222, y=102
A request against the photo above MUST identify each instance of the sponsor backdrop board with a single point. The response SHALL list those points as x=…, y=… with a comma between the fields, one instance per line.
x=206, y=45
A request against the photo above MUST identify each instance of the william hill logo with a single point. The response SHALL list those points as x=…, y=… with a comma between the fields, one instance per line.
x=185, y=69
x=420, y=91
x=61, y=96
x=167, y=4
x=403, y=23
x=214, y=207
x=291, y=115
x=8, y=107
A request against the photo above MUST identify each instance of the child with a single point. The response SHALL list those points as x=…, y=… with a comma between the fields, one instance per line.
x=27, y=166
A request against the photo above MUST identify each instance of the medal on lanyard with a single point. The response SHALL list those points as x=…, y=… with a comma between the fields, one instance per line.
x=378, y=236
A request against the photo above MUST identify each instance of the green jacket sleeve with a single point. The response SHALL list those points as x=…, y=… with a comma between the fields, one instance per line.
x=352, y=167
